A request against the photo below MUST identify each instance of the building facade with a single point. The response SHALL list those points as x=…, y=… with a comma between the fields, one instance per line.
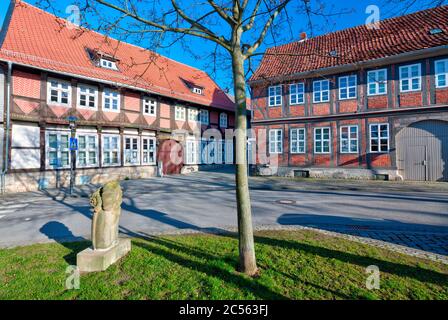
x=130, y=109
x=359, y=103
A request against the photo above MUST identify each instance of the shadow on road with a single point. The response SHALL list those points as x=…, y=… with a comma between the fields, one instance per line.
x=430, y=238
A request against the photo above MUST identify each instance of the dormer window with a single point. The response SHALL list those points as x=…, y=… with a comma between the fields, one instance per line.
x=108, y=64
x=197, y=90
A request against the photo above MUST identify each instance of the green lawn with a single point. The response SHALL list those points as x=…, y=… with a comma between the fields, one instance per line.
x=294, y=265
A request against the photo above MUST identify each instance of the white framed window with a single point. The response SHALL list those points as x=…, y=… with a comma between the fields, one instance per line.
x=87, y=97
x=193, y=115
x=410, y=78
x=192, y=154
x=111, y=100
x=87, y=154
x=348, y=87
x=111, y=150
x=59, y=92
x=321, y=91
x=275, y=96
x=297, y=140
x=131, y=150
x=204, y=117
x=149, y=106
x=322, y=140
x=377, y=82
x=197, y=90
x=149, y=150
x=108, y=64
x=179, y=113
x=57, y=149
x=441, y=69
x=349, y=139
x=223, y=120
x=379, y=137
x=275, y=141
x=297, y=93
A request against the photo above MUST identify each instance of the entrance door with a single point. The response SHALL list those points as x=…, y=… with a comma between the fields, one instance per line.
x=416, y=163
x=422, y=151
x=171, y=156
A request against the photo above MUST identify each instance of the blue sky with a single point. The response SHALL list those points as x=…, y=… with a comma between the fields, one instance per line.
x=354, y=15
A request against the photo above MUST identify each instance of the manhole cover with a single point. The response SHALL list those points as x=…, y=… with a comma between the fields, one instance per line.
x=286, y=201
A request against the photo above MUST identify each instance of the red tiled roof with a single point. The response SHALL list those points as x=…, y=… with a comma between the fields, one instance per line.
x=397, y=35
x=39, y=39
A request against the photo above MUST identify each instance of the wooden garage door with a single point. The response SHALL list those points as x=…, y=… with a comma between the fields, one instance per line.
x=422, y=151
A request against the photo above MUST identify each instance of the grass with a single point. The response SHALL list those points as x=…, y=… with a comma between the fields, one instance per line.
x=294, y=265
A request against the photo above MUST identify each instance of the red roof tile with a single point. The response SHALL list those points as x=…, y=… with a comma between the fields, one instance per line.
x=397, y=35
x=39, y=39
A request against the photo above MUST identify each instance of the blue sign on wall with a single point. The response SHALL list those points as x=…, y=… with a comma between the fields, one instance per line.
x=73, y=144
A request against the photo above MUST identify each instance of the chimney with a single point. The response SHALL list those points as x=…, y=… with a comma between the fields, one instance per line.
x=303, y=36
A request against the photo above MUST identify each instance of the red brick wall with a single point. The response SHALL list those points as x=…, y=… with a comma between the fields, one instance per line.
x=377, y=102
x=441, y=96
x=411, y=99
x=348, y=106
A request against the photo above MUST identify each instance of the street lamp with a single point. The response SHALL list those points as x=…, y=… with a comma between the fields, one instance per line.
x=73, y=148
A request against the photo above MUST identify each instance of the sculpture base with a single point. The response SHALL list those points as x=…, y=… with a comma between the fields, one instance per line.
x=90, y=260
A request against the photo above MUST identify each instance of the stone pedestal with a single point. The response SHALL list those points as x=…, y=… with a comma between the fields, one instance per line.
x=91, y=260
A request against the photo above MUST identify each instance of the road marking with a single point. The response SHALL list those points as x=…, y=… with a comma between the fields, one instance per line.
x=2, y=216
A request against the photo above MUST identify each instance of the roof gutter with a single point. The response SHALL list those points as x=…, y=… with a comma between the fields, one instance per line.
x=8, y=126
x=402, y=57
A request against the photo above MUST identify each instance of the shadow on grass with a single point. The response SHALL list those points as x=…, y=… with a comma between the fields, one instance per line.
x=165, y=248
x=401, y=270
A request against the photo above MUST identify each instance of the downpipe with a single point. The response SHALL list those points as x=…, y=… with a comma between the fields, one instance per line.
x=7, y=130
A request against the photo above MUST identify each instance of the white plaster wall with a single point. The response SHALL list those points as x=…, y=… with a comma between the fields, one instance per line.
x=25, y=146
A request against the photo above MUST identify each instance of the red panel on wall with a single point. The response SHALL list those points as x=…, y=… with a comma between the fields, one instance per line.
x=26, y=84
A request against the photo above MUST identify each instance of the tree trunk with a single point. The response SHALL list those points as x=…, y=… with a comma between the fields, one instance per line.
x=248, y=264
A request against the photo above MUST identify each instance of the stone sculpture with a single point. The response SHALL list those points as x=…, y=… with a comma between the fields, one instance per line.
x=107, y=247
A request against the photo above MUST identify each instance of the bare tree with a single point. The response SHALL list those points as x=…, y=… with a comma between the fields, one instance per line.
x=236, y=27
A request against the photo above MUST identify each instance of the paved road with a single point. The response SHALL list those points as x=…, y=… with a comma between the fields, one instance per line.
x=410, y=214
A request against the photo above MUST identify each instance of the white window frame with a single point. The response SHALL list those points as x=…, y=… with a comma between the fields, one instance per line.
x=223, y=120
x=322, y=140
x=278, y=148
x=108, y=64
x=197, y=90
x=58, y=150
x=379, y=138
x=179, y=113
x=192, y=151
x=88, y=95
x=112, y=98
x=273, y=94
x=410, y=78
x=298, y=141
x=349, y=139
x=153, y=141
x=59, y=91
x=376, y=82
x=111, y=150
x=87, y=149
x=348, y=87
x=149, y=106
x=299, y=95
x=439, y=74
x=204, y=114
x=193, y=115
x=132, y=150
x=321, y=91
